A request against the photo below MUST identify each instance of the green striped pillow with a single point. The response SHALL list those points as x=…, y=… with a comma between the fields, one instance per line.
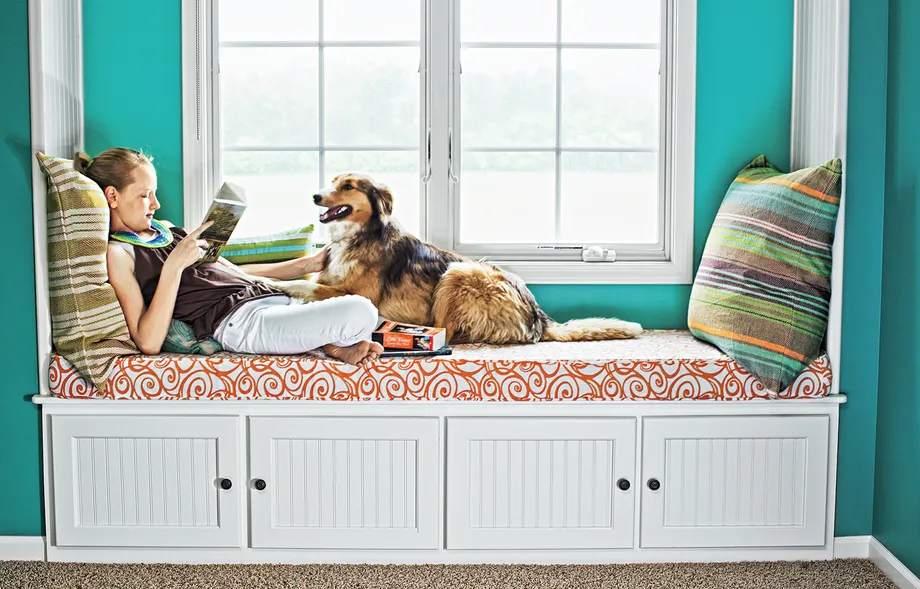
x=87, y=325
x=762, y=291
x=276, y=247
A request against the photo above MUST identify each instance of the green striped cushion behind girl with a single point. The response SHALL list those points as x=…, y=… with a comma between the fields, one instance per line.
x=276, y=247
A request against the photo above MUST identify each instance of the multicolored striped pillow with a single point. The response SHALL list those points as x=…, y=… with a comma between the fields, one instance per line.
x=762, y=290
x=87, y=325
x=277, y=247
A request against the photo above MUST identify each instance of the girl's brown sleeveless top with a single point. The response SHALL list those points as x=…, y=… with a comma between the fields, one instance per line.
x=207, y=292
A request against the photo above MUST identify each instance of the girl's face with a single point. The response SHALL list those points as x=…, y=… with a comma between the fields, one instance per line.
x=132, y=208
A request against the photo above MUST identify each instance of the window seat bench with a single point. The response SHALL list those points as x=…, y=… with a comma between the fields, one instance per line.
x=458, y=472
x=660, y=365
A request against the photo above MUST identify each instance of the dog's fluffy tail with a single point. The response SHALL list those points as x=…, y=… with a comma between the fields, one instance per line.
x=590, y=330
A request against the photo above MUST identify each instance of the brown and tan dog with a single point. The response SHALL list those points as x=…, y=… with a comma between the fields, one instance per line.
x=414, y=282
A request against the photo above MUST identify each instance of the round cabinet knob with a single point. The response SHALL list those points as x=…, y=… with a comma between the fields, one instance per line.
x=225, y=484
x=654, y=484
x=259, y=484
x=623, y=484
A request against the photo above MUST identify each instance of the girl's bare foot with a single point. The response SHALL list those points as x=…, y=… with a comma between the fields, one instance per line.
x=359, y=354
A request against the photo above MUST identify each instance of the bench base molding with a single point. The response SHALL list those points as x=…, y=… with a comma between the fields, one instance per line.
x=33, y=548
x=253, y=556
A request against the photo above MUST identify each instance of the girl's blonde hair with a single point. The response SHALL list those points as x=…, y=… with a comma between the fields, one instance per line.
x=113, y=167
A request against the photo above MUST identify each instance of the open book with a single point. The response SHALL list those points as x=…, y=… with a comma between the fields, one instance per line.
x=226, y=210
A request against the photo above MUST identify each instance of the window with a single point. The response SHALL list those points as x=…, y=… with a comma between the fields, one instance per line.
x=516, y=130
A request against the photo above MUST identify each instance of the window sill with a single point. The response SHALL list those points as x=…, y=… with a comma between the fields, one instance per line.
x=667, y=272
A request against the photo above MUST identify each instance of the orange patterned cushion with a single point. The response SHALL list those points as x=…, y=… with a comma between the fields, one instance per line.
x=657, y=366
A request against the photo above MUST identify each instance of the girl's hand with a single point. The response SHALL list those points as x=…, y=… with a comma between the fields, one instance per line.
x=315, y=263
x=187, y=252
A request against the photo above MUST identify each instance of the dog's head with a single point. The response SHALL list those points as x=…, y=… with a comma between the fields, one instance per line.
x=355, y=198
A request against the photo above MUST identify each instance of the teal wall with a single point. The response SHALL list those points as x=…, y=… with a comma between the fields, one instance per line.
x=133, y=97
x=864, y=174
x=20, y=458
x=896, y=521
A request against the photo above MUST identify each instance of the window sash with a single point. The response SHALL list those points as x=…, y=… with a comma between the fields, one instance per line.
x=667, y=261
x=321, y=148
x=446, y=227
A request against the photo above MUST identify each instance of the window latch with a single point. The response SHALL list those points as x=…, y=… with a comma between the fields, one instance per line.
x=594, y=253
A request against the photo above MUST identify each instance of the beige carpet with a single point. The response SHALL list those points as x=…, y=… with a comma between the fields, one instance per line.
x=837, y=574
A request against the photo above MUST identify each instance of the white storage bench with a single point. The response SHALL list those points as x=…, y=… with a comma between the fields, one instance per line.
x=626, y=451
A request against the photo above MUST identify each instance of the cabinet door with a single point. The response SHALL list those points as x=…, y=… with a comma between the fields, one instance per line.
x=519, y=483
x=346, y=483
x=145, y=481
x=734, y=481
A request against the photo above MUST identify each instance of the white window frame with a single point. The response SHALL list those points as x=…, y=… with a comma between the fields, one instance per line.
x=199, y=81
x=670, y=261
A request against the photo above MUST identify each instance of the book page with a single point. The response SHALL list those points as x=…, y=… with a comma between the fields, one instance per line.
x=225, y=211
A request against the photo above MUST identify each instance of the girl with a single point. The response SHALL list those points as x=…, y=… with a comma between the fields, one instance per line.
x=152, y=269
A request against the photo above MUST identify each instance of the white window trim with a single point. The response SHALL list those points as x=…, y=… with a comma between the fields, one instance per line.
x=200, y=83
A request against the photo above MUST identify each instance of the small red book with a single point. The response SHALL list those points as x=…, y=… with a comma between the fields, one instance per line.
x=393, y=335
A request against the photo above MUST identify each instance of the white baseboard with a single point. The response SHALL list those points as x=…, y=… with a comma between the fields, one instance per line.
x=852, y=546
x=22, y=548
x=893, y=568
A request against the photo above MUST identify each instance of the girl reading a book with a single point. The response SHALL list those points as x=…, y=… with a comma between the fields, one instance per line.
x=152, y=267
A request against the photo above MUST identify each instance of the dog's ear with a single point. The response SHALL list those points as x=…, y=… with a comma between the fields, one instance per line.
x=385, y=198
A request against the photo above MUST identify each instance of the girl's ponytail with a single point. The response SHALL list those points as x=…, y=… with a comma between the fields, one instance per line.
x=81, y=161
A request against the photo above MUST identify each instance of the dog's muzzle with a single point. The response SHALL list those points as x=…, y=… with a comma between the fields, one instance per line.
x=334, y=213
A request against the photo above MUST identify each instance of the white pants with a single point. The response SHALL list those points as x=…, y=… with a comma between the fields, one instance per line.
x=280, y=325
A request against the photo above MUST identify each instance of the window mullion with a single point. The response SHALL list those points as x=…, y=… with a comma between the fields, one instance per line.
x=439, y=38
x=425, y=117
x=557, y=219
x=214, y=91
x=321, y=102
